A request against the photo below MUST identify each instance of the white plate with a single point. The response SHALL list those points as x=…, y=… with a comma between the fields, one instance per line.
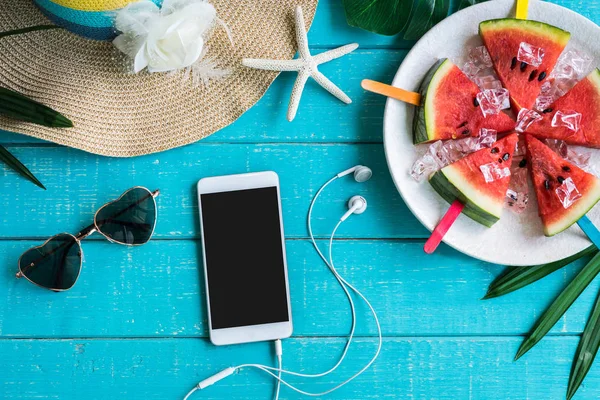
x=515, y=239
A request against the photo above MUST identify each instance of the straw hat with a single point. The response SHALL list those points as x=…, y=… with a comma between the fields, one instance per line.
x=118, y=113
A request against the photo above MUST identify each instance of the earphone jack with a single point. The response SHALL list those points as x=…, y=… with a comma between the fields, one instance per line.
x=279, y=354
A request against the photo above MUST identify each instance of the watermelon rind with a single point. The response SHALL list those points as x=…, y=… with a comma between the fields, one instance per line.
x=559, y=35
x=576, y=211
x=424, y=119
x=451, y=186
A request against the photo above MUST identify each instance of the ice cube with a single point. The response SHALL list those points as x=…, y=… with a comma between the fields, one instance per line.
x=487, y=82
x=570, y=68
x=423, y=168
x=493, y=171
x=440, y=154
x=530, y=54
x=558, y=146
x=520, y=148
x=572, y=64
x=470, y=70
x=525, y=119
x=567, y=193
x=491, y=101
x=517, y=196
x=435, y=158
x=480, y=57
x=570, y=119
x=580, y=159
x=516, y=201
x=486, y=138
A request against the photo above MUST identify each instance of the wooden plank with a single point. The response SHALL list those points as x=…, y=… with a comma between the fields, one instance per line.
x=321, y=117
x=79, y=183
x=157, y=291
x=415, y=368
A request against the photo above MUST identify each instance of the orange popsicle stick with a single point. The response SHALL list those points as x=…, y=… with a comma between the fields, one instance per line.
x=442, y=228
x=391, y=91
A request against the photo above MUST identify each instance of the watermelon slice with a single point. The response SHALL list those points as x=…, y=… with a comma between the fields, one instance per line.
x=450, y=109
x=503, y=37
x=549, y=171
x=464, y=180
x=584, y=99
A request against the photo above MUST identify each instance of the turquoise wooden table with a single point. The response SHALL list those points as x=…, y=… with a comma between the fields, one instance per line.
x=134, y=326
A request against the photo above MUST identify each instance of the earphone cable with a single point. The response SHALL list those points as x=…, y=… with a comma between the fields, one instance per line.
x=340, y=281
x=344, y=284
x=378, y=351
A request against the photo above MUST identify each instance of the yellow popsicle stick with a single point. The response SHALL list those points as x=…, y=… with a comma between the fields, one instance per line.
x=522, y=7
x=391, y=91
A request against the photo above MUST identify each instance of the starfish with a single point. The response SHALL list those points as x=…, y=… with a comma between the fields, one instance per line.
x=306, y=65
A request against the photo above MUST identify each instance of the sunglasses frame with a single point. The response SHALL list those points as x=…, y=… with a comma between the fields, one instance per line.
x=87, y=232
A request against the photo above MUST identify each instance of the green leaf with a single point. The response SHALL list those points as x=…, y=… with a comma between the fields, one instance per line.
x=386, y=17
x=28, y=29
x=586, y=350
x=22, y=108
x=426, y=14
x=467, y=3
x=514, y=278
x=560, y=305
x=18, y=166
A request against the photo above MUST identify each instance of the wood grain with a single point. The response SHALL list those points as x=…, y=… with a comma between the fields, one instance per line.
x=156, y=290
x=446, y=368
x=79, y=183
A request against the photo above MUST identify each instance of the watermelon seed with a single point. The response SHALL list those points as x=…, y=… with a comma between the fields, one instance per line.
x=523, y=163
x=547, y=110
x=513, y=63
x=566, y=168
x=465, y=132
x=532, y=75
x=506, y=156
x=475, y=102
x=560, y=179
x=499, y=161
x=510, y=203
x=547, y=184
x=542, y=76
x=495, y=150
x=523, y=66
x=512, y=196
x=463, y=124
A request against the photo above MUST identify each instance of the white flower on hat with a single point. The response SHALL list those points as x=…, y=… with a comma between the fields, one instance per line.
x=164, y=39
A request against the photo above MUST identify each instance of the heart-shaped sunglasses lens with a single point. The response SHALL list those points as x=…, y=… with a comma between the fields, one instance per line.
x=130, y=219
x=55, y=264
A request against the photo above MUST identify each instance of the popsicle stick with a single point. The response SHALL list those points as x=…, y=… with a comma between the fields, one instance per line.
x=590, y=230
x=391, y=91
x=522, y=8
x=442, y=227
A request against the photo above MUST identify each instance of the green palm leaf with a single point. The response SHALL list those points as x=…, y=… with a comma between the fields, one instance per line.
x=586, y=351
x=390, y=17
x=514, y=278
x=14, y=163
x=426, y=14
x=560, y=305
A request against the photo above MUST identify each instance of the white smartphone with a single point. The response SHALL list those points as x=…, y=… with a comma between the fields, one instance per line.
x=245, y=269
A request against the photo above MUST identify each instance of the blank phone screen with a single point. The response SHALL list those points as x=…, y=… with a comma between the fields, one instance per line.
x=244, y=258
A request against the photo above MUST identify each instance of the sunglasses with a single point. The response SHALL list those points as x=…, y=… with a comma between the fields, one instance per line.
x=130, y=220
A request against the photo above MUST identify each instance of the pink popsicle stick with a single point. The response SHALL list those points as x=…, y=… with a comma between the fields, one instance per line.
x=440, y=230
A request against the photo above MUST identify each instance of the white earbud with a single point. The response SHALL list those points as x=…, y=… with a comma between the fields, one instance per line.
x=356, y=205
x=361, y=173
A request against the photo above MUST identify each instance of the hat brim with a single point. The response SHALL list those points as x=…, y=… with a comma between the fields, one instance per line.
x=118, y=113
